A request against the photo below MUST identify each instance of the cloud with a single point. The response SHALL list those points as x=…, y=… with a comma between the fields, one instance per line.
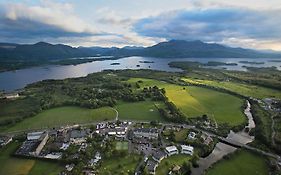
x=213, y=25
x=47, y=20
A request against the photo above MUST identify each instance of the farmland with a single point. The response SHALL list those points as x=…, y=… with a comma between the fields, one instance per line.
x=145, y=110
x=239, y=88
x=195, y=101
x=64, y=115
x=168, y=163
x=15, y=166
x=241, y=163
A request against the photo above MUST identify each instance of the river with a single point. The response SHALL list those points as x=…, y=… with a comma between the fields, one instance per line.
x=18, y=79
x=222, y=149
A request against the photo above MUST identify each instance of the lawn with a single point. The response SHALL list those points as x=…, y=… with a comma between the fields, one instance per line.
x=119, y=165
x=240, y=88
x=64, y=115
x=168, y=163
x=121, y=146
x=16, y=166
x=241, y=163
x=145, y=110
x=195, y=101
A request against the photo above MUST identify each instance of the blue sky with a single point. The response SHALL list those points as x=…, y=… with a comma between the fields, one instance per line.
x=248, y=23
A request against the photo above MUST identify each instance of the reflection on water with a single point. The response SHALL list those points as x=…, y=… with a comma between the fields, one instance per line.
x=18, y=79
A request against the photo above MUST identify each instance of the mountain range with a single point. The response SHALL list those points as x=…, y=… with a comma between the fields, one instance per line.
x=43, y=51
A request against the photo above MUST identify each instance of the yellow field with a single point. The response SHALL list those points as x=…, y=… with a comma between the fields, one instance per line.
x=195, y=101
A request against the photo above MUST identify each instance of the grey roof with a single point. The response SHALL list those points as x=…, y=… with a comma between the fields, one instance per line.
x=147, y=130
x=78, y=134
x=151, y=165
x=158, y=154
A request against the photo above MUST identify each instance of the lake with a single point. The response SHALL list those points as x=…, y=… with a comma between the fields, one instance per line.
x=13, y=80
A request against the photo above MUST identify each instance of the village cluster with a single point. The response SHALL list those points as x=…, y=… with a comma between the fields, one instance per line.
x=142, y=138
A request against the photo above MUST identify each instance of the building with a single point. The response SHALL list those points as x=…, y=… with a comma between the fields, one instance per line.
x=206, y=139
x=171, y=150
x=158, y=155
x=4, y=140
x=42, y=142
x=192, y=135
x=151, y=166
x=78, y=136
x=185, y=149
x=34, y=135
x=150, y=133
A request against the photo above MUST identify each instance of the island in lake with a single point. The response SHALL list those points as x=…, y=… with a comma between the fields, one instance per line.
x=115, y=64
x=146, y=61
x=251, y=62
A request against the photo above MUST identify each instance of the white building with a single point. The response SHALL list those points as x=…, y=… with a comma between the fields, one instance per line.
x=171, y=150
x=186, y=149
x=192, y=135
x=34, y=135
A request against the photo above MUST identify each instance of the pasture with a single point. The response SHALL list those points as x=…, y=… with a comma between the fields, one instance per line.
x=241, y=163
x=195, y=101
x=15, y=166
x=119, y=165
x=142, y=111
x=169, y=162
x=63, y=116
x=239, y=88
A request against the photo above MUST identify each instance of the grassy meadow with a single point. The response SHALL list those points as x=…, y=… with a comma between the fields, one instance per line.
x=241, y=163
x=144, y=110
x=119, y=165
x=17, y=166
x=240, y=88
x=64, y=115
x=195, y=101
x=168, y=163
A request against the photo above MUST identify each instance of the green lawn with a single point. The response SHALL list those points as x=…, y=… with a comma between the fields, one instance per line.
x=121, y=146
x=16, y=166
x=240, y=88
x=145, y=110
x=242, y=163
x=64, y=115
x=195, y=101
x=119, y=165
x=168, y=163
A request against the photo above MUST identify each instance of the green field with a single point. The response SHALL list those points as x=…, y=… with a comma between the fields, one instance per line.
x=119, y=165
x=241, y=163
x=145, y=110
x=168, y=163
x=16, y=166
x=195, y=101
x=64, y=115
x=121, y=146
x=243, y=89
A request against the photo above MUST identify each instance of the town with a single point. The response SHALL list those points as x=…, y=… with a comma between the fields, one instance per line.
x=91, y=144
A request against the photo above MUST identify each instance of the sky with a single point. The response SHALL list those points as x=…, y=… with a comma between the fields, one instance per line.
x=252, y=24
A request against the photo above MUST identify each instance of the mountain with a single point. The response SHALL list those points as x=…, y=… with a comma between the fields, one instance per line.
x=39, y=51
x=197, y=49
x=171, y=49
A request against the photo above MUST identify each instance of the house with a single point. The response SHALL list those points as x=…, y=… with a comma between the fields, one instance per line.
x=151, y=166
x=78, y=136
x=158, y=155
x=192, y=135
x=69, y=167
x=150, y=133
x=171, y=150
x=186, y=149
x=11, y=95
x=206, y=139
